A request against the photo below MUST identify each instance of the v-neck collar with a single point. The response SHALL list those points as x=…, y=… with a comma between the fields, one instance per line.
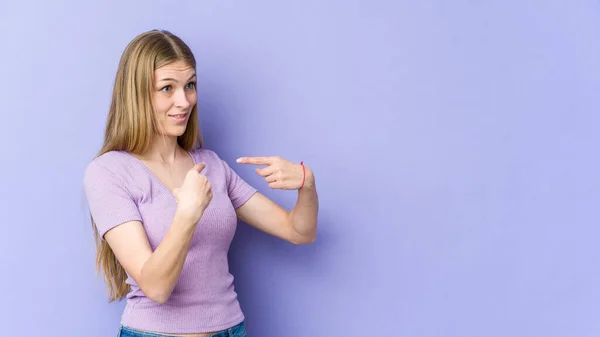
x=151, y=174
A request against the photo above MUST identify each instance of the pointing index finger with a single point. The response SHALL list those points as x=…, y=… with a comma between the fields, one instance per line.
x=255, y=160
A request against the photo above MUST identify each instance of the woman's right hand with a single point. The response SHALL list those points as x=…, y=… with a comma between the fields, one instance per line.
x=194, y=195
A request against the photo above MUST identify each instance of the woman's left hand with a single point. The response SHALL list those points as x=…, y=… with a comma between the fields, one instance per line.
x=280, y=173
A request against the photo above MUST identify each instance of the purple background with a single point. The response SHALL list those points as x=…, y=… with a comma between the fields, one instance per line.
x=455, y=145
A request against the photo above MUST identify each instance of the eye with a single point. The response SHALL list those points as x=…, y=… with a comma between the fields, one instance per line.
x=166, y=89
x=191, y=85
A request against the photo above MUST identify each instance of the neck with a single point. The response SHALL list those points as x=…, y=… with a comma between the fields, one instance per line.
x=164, y=150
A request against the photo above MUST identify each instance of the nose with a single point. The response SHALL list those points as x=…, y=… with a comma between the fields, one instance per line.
x=182, y=100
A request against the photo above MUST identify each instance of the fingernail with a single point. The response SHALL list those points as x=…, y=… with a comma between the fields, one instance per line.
x=239, y=160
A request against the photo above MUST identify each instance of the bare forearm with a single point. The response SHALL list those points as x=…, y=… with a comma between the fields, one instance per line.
x=303, y=217
x=162, y=270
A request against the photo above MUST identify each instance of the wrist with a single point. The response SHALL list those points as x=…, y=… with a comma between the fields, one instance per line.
x=187, y=218
x=309, y=179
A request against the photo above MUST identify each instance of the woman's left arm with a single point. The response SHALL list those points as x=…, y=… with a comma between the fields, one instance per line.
x=298, y=226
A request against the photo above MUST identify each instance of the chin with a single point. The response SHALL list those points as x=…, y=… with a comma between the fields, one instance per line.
x=175, y=132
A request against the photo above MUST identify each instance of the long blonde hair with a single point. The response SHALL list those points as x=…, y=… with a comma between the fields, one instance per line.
x=131, y=123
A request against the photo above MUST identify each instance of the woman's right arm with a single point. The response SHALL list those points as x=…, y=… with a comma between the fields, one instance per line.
x=157, y=272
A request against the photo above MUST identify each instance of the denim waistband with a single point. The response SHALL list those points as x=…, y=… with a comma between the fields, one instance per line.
x=235, y=331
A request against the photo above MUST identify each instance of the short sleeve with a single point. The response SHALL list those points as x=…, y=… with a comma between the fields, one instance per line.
x=238, y=189
x=109, y=200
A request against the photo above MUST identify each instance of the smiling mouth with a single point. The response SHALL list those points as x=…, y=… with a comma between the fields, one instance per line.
x=181, y=115
x=179, y=118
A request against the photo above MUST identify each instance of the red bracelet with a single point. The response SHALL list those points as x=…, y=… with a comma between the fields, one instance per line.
x=303, y=174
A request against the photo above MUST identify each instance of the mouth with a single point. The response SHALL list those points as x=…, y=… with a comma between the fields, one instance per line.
x=179, y=117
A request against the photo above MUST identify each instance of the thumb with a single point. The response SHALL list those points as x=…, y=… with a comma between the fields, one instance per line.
x=199, y=167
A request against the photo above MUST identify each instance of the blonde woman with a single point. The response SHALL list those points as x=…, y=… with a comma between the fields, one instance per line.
x=165, y=210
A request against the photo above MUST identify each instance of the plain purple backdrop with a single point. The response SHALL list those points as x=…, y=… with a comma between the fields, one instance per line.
x=455, y=145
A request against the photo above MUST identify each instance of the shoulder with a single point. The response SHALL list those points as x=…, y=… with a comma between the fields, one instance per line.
x=108, y=166
x=207, y=156
x=213, y=162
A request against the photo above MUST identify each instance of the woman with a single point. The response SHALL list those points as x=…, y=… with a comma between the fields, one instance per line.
x=165, y=210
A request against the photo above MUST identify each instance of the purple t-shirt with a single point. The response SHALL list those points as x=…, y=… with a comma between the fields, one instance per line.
x=120, y=188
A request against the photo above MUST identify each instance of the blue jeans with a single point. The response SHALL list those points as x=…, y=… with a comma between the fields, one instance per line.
x=236, y=331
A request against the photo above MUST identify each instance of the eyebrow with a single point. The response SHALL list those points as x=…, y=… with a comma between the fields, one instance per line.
x=172, y=79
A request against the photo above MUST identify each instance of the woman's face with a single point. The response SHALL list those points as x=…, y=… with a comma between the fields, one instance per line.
x=174, y=97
